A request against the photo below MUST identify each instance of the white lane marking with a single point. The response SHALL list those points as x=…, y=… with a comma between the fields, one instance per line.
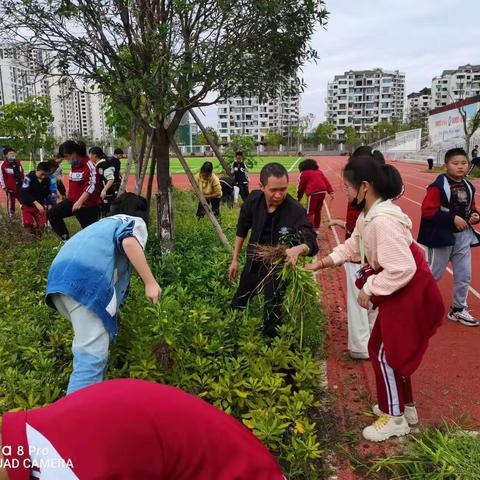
x=293, y=166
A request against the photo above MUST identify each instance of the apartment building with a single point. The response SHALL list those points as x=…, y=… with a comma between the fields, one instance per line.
x=418, y=102
x=363, y=98
x=455, y=85
x=251, y=116
x=77, y=111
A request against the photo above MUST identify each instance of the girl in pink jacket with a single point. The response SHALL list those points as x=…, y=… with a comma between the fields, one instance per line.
x=396, y=280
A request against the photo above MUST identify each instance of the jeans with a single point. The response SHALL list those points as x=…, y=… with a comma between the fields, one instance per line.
x=90, y=343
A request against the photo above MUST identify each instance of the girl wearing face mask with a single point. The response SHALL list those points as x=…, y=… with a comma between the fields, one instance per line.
x=395, y=278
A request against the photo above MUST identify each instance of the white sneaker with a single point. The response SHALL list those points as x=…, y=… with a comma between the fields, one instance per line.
x=385, y=427
x=410, y=414
x=464, y=317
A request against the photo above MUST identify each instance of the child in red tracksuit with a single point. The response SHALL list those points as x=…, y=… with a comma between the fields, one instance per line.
x=131, y=430
x=315, y=185
x=33, y=197
x=84, y=186
x=11, y=178
x=398, y=282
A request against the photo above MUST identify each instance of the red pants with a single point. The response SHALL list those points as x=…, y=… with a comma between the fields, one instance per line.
x=32, y=218
x=314, y=208
x=393, y=390
x=11, y=198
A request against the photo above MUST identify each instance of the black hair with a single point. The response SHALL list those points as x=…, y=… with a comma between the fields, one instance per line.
x=118, y=151
x=239, y=153
x=71, y=146
x=82, y=148
x=453, y=152
x=362, y=150
x=8, y=150
x=386, y=179
x=308, y=164
x=43, y=167
x=272, y=170
x=130, y=204
x=97, y=151
x=365, y=150
x=53, y=164
x=207, y=167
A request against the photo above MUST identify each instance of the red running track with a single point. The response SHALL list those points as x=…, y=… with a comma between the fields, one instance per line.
x=447, y=383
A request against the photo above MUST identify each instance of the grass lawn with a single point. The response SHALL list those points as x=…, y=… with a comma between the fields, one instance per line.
x=195, y=163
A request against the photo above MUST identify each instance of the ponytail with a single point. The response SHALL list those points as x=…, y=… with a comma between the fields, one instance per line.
x=385, y=179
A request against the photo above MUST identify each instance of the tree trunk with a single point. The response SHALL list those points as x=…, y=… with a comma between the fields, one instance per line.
x=201, y=197
x=131, y=156
x=150, y=184
x=212, y=144
x=143, y=171
x=141, y=158
x=165, y=226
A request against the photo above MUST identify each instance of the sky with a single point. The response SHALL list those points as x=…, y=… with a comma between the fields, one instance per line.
x=418, y=37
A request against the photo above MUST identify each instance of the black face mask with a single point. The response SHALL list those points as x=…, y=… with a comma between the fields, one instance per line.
x=359, y=204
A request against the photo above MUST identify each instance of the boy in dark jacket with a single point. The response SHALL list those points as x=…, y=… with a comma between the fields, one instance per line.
x=270, y=214
x=448, y=213
x=239, y=171
x=11, y=178
x=33, y=197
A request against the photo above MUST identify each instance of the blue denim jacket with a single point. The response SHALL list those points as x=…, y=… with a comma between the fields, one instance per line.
x=92, y=267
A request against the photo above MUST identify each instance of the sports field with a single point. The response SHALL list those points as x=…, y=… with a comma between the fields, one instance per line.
x=291, y=163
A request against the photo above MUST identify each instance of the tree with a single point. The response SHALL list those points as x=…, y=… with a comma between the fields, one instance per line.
x=201, y=140
x=418, y=119
x=351, y=137
x=273, y=139
x=26, y=125
x=244, y=144
x=161, y=58
x=324, y=133
x=470, y=126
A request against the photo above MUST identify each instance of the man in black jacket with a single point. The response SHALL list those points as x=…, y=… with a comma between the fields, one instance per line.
x=272, y=216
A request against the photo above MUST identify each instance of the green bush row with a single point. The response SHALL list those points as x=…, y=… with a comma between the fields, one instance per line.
x=191, y=339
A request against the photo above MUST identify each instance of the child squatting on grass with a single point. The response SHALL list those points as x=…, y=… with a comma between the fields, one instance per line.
x=395, y=278
x=131, y=429
x=89, y=279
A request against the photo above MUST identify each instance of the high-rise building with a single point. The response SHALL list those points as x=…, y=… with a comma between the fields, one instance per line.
x=76, y=111
x=417, y=103
x=250, y=116
x=454, y=85
x=363, y=98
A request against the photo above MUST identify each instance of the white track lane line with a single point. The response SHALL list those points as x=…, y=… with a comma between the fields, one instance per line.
x=293, y=166
x=449, y=270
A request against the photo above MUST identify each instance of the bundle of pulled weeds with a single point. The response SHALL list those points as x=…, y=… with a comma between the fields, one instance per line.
x=301, y=288
x=270, y=255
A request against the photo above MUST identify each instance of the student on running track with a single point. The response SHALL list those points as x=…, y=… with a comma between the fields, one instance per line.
x=359, y=320
x=315, y=185
x=448, y=213
x=398, y=282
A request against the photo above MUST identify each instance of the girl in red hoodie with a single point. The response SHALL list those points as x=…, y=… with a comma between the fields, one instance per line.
x=315, y=185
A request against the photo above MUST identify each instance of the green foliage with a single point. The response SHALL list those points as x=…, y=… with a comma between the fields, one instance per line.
x=212, y=133
x=273, y=139
x=383, y=130
x=324, y=133
x=118, y=118
x=446, y=453
x=191, y=339
x=352, y=137
x=242, y=143
x=26, y=125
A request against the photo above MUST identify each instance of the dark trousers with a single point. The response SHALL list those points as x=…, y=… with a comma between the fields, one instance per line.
x=243, y=190
x=214, y=203
x=430, y=163
x=85, y=216
x=253, y=283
